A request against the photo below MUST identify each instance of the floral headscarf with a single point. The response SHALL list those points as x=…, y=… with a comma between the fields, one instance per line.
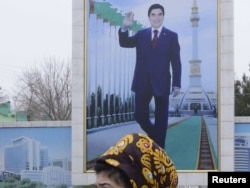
x=145, y=163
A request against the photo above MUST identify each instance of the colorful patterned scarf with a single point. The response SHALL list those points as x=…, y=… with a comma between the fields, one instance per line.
x=145, y=163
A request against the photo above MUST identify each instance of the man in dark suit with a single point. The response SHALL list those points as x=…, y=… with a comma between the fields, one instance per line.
x=156, y=52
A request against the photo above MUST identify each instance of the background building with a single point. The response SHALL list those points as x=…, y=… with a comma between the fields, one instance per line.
x=25, y=158
x=242, y=152
x=22, y=154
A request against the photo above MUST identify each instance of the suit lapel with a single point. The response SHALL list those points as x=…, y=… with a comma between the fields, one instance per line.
x=148, y=37
x=163, y=37
x=163, y=33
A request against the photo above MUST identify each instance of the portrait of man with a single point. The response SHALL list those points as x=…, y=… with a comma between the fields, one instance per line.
x=152, y=68
x=157, y=49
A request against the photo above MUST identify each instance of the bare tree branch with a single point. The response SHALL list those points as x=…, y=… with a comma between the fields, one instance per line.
x=45, y=91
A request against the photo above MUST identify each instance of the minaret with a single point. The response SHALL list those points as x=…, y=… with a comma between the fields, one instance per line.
x=195, y=68
x=195, y=96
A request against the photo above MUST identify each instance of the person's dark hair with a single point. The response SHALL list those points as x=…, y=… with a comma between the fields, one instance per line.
x=155, y=6
x=115, y=174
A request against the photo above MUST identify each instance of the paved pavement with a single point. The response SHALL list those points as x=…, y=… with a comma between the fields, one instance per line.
x=100, y=139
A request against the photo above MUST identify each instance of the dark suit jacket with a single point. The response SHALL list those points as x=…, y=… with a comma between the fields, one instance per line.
x=153, y=65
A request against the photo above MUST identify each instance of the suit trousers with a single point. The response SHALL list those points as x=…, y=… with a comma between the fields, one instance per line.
x=157, y=130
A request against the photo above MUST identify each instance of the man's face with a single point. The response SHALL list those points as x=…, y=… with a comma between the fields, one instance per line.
x=156, y=18
x=103, y=181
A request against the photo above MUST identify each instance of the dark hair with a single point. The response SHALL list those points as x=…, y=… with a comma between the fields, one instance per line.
x=115, y=174
x=155, y=6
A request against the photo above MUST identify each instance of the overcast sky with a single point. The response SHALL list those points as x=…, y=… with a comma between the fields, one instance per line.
x=242, y=38
x=34, y=29
x=30, y=31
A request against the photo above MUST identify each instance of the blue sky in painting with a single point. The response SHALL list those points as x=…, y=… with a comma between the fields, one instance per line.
x=242, y=128
x=177, y=18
